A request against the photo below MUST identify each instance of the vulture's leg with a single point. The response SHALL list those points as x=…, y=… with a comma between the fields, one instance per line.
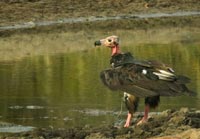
x=131, y=103
x=128, y=119
x=150, y=102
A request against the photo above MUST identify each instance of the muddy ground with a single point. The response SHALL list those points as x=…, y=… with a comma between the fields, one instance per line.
x=170, y=124
x=14, y=12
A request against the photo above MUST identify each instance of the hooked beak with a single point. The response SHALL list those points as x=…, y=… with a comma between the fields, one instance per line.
x=97, y=43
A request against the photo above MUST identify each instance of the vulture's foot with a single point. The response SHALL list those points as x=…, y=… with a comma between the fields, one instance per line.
x=128, y=120
x=142, y=121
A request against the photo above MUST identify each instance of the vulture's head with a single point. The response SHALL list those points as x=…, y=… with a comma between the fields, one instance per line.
x=110, y=42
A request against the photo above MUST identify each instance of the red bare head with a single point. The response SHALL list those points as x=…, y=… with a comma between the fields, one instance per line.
x=111, y=42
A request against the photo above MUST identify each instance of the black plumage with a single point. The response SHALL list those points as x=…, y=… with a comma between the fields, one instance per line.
x=143, y=78
x=139, y=78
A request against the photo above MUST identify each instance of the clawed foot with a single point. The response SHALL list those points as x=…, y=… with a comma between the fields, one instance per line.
x=145, y=118
x=142, y=121
x=127, y=124
x=128, y=120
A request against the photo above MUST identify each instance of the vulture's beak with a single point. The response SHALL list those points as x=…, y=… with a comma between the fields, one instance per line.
x=97, y=43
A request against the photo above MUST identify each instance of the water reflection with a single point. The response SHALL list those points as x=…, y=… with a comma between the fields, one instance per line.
x=65, y=90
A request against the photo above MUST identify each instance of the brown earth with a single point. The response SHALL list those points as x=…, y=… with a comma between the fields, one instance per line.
x=170, y=124
x=14, y=12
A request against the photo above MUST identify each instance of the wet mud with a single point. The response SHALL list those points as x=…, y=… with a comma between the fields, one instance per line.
x=173, y=124
x=13, y=11
x=59, y=16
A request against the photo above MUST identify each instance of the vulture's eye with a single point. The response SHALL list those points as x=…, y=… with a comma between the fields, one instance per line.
x=109, y=40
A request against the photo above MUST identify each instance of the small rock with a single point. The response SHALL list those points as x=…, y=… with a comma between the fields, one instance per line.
x=197, y=111
x=177, y=119
x=184, y=110
x=166, y=113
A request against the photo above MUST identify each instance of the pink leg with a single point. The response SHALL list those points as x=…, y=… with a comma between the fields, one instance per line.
x=128, y=120
x=145, y=118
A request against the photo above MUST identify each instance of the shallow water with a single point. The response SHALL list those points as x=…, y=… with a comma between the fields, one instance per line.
x=64, y=90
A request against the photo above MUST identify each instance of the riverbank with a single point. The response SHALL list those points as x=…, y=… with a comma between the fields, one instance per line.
x=169, y=124
x=24, y=44
x=60, y=27
x=36, y=16
x=20, y=11
x=30, y=28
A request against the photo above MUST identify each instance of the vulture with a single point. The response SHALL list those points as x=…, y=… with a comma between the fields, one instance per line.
x=140, y=79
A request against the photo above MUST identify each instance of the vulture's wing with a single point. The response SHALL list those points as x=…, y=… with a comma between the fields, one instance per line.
x=145, y=79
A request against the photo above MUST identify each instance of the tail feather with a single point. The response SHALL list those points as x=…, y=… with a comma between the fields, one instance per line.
x=182, y=79
x=179, y=88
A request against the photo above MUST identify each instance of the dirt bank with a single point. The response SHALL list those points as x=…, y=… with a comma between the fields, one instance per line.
x=14, y=12
x=169, y=124
x=55, y=38
x=173, y=124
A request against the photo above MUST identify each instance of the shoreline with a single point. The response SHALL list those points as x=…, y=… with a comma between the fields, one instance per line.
x=56, y=40
x=172, y=124
x=30, y=28
x=31, y=24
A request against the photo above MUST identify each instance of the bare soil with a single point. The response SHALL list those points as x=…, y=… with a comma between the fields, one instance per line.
x=170, y=123
x=14, y=12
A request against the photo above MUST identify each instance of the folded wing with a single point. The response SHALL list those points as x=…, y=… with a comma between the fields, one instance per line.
x=145, y=79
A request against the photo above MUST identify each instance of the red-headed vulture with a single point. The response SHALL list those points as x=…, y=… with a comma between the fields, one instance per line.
x=137, y=78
